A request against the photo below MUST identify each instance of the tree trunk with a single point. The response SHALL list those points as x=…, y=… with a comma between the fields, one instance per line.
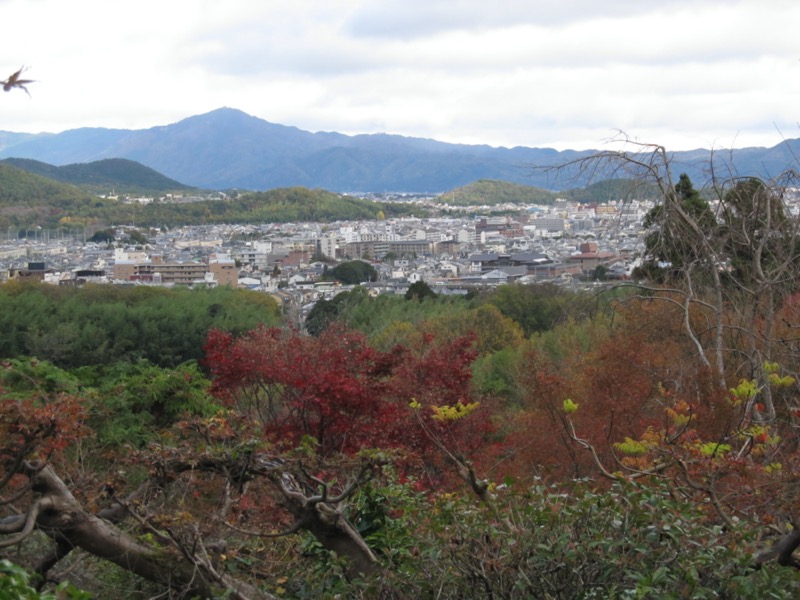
x=335, y=533
x=62, y=516
x=323, y=518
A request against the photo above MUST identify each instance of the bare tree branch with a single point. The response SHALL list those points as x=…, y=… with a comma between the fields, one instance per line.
x=24, y=526
x=15, y=81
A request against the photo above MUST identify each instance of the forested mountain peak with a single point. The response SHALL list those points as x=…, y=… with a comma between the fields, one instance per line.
x=227, y=148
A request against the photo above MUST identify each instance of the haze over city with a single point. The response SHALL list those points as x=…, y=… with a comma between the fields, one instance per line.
x=568, y=74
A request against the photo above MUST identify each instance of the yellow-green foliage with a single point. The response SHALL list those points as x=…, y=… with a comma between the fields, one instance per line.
x=631, y=447
x=744, y=392
x=771, y=367
x=679, y=414
x=780, y=382
x=445, y=412
x=774, y=377
x=569, y=406
x=453, y=413
x=713, y=449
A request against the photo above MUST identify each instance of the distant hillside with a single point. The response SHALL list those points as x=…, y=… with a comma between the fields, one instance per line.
x=28, y=200
x=491, y=192
x=613, y=189
x=8, y=138
x=282, y=205
x=117, y=174
x=227, y=148
x=299, y=204
x=19, y=187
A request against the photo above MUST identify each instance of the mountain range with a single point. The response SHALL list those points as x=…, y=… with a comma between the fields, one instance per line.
x=227, y=148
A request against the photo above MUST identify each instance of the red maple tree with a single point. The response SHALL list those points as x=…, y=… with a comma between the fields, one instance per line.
x=341, y=392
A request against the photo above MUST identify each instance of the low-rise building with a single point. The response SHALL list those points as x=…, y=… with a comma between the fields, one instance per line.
x=218, y=270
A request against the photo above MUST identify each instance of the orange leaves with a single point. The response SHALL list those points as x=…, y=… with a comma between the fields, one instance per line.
x=40, y=428
x=680, y=414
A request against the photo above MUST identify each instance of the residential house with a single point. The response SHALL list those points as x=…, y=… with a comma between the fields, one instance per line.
x=589, y=257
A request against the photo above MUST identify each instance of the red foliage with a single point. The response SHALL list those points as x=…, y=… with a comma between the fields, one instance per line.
x=298, y=385
x=438, y=373
x=35, y=428
x=535, y=436
x=621, y=380
x=340, y=391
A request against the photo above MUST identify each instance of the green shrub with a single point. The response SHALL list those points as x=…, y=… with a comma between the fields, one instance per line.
x=15, y=583
x=629, y=541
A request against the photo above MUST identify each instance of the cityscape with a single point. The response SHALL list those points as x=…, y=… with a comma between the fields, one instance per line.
x=566, y=243
x=572, y=244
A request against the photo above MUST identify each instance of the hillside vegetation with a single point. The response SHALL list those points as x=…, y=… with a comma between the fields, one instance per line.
x=103, y=176
x=492, y=192
x=446, y=434
x=34, y=193
x=613, y=189
x=95, y=325
x=20, y=188
x=302, y=204
x=29, y=200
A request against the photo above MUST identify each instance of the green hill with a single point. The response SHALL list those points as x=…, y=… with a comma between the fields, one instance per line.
x=613, y=189
x=30, y=200
x=300, y=204
x=103, y=176
x=21, y=187
x=492, y=192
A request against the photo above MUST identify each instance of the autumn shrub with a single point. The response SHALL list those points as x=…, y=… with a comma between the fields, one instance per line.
x=344, y=394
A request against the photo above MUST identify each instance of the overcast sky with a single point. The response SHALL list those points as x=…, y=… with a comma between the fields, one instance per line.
x=542, y=73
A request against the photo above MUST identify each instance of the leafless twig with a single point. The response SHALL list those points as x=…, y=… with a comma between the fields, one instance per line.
x=14, y=81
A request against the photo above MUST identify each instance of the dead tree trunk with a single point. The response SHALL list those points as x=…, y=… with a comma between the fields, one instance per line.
x=58, y=513
x=323, y=518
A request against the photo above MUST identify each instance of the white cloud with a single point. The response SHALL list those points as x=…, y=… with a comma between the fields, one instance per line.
x=548, y=73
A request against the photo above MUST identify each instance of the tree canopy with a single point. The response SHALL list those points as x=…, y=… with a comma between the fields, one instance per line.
x=352, y=272
x=492, y=192
x=97, y=324
x=419, y=290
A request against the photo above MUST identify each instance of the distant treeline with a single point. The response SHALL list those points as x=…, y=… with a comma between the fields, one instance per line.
x=489, y=192
x=28, y=200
